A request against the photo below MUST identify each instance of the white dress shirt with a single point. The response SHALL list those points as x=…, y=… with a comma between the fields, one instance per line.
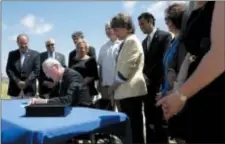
x=51, y=56
x=150, y=37
x=107, y=60
x=22, y=57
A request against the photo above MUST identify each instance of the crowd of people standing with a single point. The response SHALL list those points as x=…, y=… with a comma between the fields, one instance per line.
x=177, y=80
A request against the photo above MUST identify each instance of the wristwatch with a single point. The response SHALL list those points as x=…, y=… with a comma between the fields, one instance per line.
x=183, y=98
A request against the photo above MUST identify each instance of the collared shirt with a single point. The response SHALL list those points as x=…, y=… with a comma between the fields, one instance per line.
x=107, y=60
x=51, y=54
x=22, y=57
x=150, y=37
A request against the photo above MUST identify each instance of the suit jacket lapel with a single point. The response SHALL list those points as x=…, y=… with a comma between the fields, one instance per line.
x=57, y=57
x=17, y=62
x=145, y=45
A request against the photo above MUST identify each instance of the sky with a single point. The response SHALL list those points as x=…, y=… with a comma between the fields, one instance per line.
x=58, y=20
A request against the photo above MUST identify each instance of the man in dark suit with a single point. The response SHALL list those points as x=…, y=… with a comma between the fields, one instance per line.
x=70, y=87
x=23, y=66
x=77, y=36
x=46, y=84
x=154, y=45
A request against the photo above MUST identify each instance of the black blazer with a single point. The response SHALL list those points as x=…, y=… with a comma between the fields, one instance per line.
x=43, y=56
x=153, y=68
x=72, y=55
x=88, y=68
x=71, y=90
x=29, y=72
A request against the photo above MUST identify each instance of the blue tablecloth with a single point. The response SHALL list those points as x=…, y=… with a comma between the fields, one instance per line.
x=18, y=129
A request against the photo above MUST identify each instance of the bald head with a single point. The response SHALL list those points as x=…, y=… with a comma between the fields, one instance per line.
x=50, y=45
x=22, y=42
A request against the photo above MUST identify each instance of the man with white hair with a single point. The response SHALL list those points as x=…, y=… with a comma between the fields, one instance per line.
x=107, y=60
x=69, y=89
x=46, y=84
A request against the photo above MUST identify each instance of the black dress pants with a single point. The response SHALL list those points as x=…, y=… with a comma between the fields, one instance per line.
x=133, y=108
x=156, y=127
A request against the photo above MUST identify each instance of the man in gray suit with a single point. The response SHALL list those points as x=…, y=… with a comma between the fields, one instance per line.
x=45, y=83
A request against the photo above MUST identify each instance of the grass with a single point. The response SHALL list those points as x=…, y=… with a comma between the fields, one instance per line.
x=4, y=89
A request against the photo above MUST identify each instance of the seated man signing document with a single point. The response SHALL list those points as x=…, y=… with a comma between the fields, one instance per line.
x=69, y=87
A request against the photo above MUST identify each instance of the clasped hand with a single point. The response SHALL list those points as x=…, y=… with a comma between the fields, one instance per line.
x=171, y=105
x=21, y=85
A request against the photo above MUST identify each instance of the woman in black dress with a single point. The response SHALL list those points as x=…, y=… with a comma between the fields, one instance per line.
x=86, y=66
x=202, y=96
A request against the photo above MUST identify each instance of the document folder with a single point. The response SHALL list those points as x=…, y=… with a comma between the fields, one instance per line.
x=47, y=110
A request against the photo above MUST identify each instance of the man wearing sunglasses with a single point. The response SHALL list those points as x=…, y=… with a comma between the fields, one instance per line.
x=46, y=84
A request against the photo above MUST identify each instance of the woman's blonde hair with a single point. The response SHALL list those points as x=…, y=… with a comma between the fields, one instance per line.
x=82, y=41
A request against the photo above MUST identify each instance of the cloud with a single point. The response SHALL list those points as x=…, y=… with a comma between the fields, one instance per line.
x=29, y=24
x=129, y=6
x=158, y=8
x=35, y=25
x=12, y=37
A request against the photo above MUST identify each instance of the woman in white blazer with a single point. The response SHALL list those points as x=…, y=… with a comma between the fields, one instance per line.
x=129, y=86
